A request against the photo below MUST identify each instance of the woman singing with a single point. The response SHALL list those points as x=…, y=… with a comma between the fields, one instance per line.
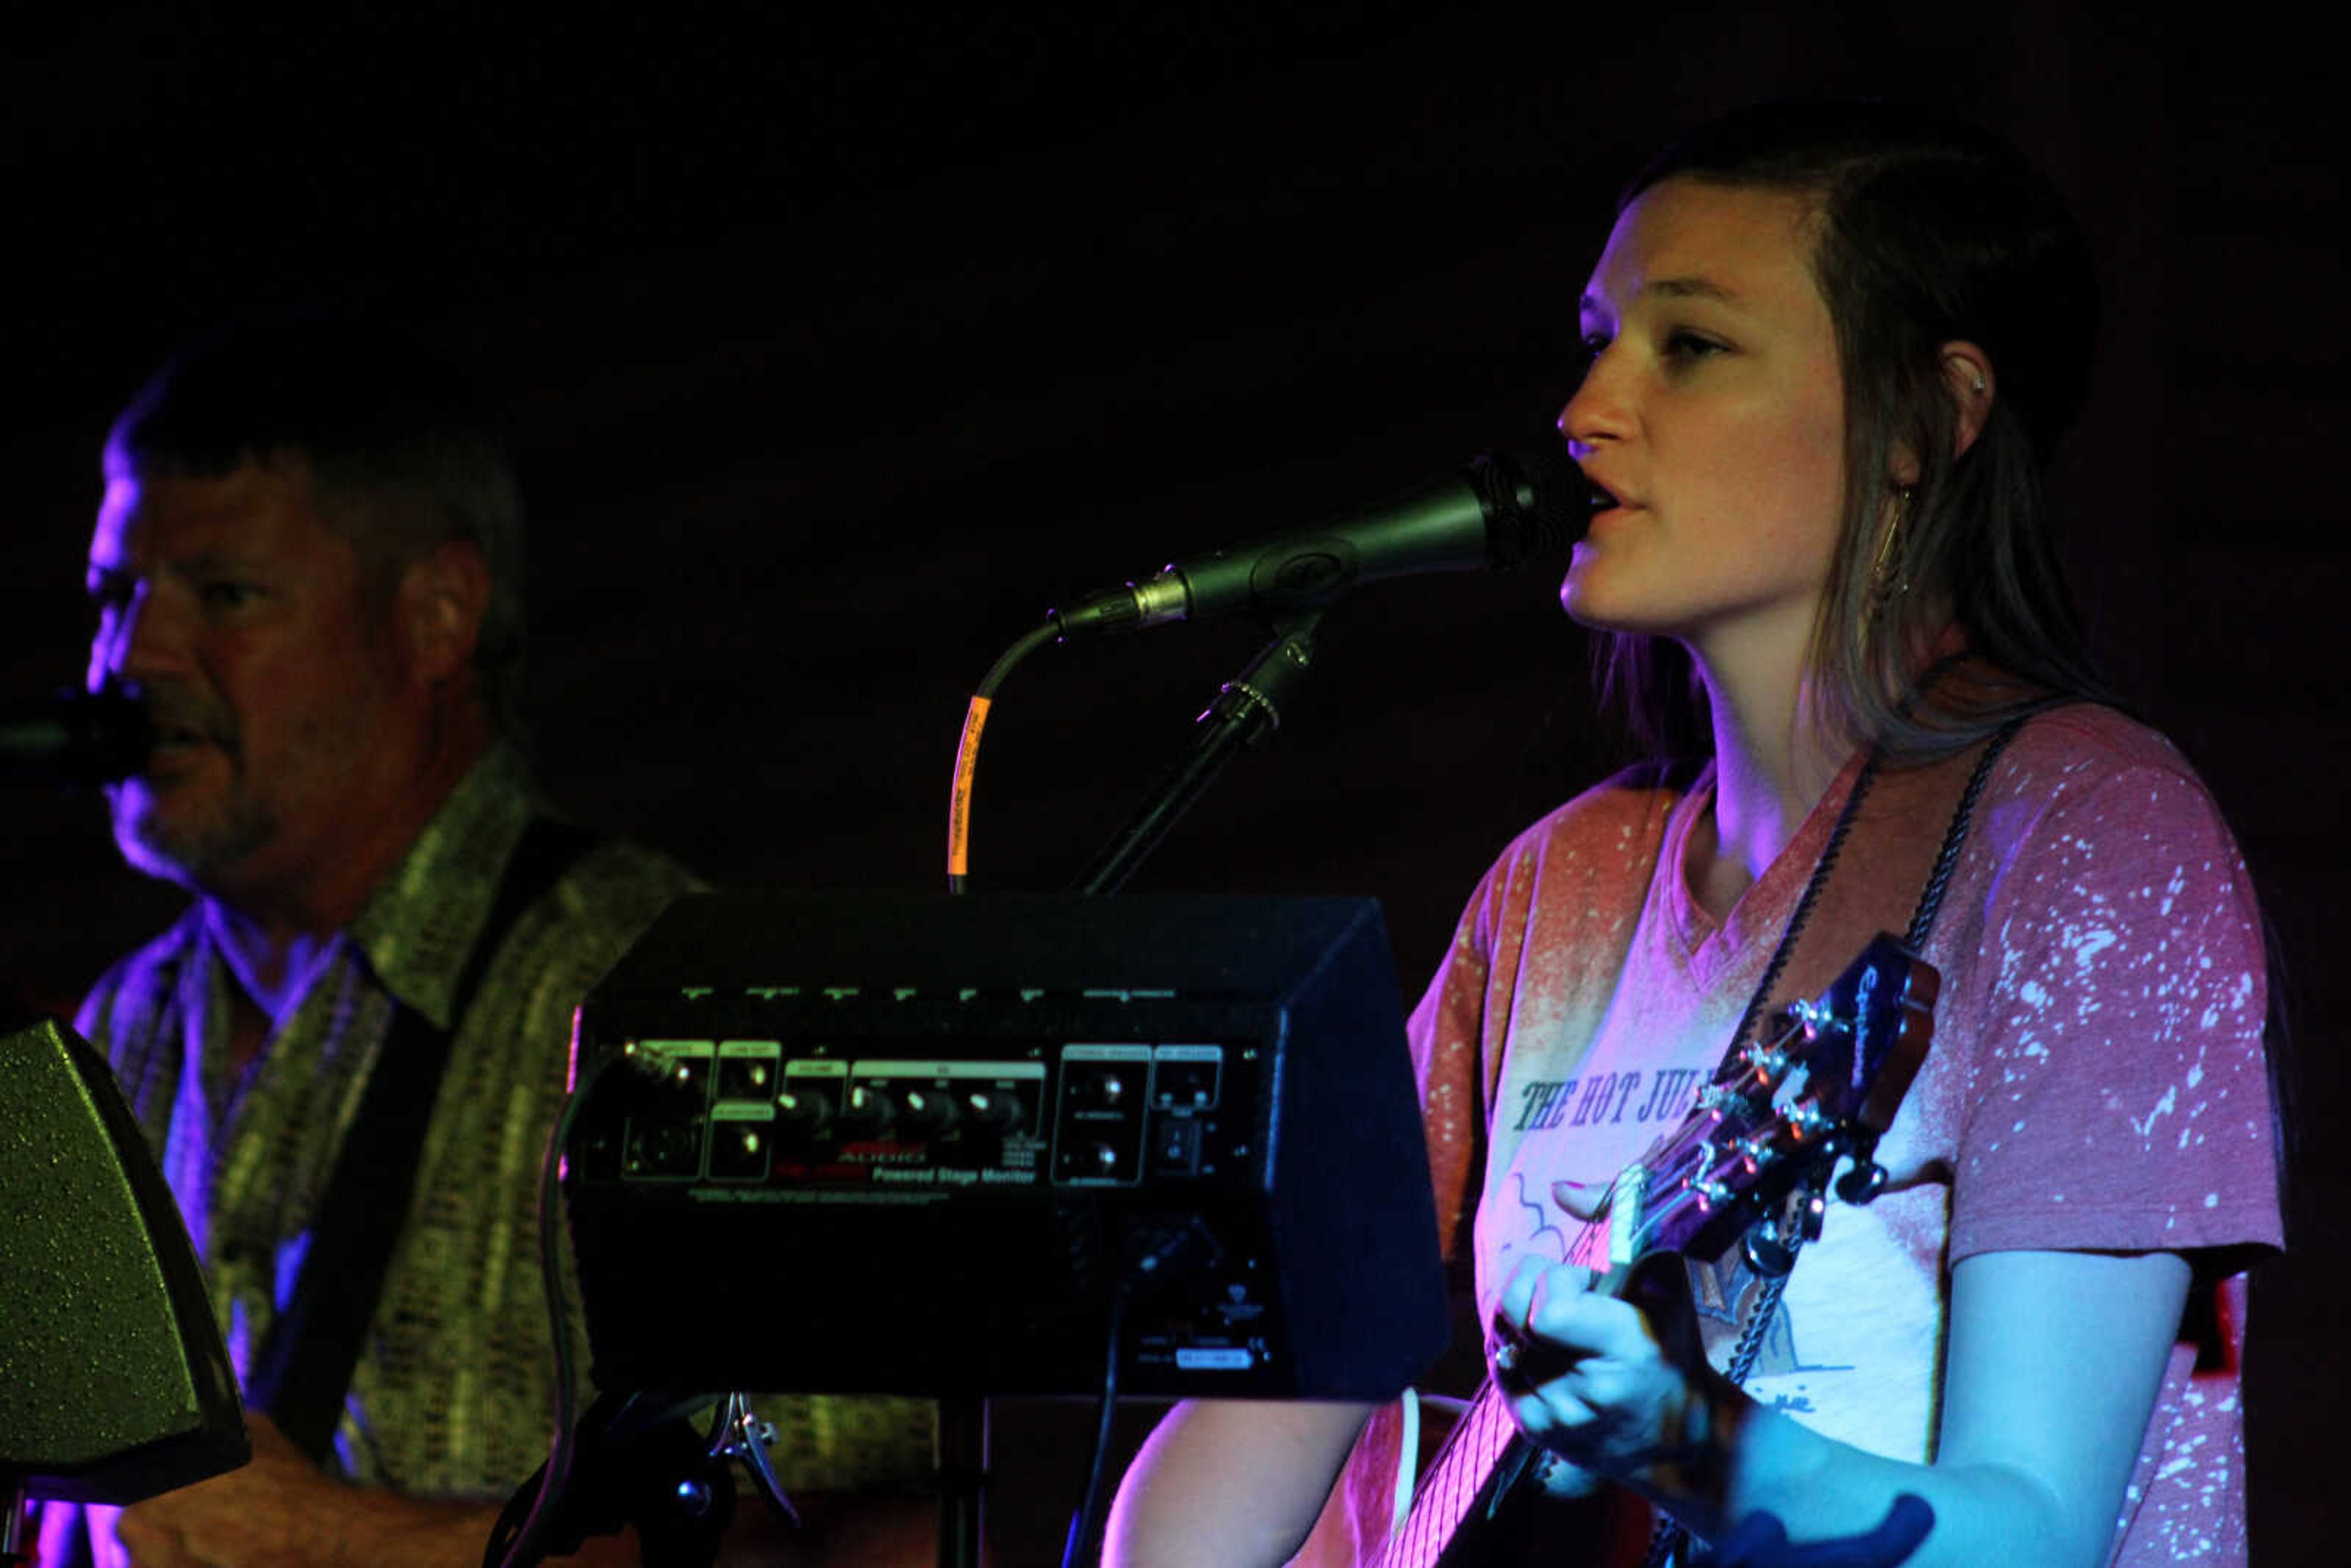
x=1831, y=348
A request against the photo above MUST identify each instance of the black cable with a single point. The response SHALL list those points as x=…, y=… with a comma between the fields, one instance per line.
x=1086, y=1524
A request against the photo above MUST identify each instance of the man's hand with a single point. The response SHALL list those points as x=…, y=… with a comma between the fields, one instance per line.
x=279, y=1510
x=283, y=1511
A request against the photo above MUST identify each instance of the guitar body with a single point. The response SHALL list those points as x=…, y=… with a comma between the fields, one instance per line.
x=1516, y=1520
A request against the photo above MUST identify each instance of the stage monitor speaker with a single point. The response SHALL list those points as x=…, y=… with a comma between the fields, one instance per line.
x=897, y=1144
x=114, y=1384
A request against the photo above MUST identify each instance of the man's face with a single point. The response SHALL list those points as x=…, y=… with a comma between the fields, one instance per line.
x=271, y=670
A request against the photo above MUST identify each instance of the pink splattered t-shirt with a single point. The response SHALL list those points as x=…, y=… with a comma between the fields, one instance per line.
x=2095, y=1082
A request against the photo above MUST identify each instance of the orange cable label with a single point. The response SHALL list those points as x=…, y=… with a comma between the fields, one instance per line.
x=975, y=719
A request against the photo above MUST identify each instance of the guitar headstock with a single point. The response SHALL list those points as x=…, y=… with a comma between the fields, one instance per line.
x=1822, y=1081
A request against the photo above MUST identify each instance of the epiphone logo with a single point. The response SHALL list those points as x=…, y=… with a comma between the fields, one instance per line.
x=1605, y=1098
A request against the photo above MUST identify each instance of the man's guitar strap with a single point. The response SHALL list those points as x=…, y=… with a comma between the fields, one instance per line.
x=302, y=1370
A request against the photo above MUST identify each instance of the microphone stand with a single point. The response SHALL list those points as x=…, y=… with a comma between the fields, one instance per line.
x=1246, y=709
x=964, y=1479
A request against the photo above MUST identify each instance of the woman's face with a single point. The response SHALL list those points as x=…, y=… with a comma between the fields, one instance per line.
x=1714, y=414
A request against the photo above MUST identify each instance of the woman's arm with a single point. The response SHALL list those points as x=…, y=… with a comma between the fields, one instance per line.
x=1228, y=1483
x=2053, y=1363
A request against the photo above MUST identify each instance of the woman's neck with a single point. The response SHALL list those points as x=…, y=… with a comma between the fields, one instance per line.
x=1772, y=763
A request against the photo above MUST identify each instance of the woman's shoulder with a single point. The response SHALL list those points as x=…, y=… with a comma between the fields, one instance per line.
x=1609, y=832
x=2091, y=735
x=1615, y=810
x=1587, y=860
x=2095, y=800
x=2086, y=757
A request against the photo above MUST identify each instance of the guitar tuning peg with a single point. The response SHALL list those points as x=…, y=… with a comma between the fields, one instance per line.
x=1766, y=1254
x=1719, y=1101
x=1861, y=1184
x=1772, y=1243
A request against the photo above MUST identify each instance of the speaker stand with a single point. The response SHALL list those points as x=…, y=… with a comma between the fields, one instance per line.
x=964, y=1480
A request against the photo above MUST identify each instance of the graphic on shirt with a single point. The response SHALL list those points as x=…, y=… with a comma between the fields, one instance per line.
x=1547, y=1105
x=1775, y=1119
x=1726, y=1292
x=1546, y=1234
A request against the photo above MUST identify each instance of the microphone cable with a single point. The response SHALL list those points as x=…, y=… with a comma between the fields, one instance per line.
x=975, y=720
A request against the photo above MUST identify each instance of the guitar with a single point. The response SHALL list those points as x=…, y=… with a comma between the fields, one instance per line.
x=1749, y=1163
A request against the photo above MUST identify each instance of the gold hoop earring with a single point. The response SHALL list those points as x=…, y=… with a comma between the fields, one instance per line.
x=1885, y=584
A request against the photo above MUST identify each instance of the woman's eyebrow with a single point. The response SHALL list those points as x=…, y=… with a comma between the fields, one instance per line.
x=1690, y=288
x=1693, y=288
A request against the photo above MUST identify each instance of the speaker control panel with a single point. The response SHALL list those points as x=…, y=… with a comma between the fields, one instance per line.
x=771, y=1114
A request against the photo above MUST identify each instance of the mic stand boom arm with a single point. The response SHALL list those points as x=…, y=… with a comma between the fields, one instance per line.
x=1246, y=709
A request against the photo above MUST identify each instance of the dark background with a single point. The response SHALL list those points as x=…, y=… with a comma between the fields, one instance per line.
x=836, y=350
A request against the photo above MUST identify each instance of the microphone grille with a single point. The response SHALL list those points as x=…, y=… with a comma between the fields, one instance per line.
x=1536, y=503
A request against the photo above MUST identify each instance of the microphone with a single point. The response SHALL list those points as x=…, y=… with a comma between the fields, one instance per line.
x=74, y=737
x=1495, y=512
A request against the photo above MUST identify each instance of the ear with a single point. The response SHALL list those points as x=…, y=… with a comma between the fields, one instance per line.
x=1967, y=371
x=443, y=596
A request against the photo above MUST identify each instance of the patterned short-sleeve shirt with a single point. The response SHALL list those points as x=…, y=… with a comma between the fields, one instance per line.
x=454, y=1390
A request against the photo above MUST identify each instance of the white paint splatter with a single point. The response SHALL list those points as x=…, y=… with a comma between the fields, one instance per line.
x=2163, y=1107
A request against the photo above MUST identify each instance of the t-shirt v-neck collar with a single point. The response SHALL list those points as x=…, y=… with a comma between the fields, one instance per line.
x=1707, y=946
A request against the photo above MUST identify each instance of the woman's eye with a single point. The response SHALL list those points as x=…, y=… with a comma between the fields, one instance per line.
x=228, y=595
x=1688, y=347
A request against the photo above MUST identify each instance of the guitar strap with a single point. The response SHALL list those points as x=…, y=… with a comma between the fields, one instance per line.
x=1888, y=820
x=301, y=1371
x=1884, y=819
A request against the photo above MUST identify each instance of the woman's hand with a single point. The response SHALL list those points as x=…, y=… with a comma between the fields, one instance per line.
x=1588, y=1377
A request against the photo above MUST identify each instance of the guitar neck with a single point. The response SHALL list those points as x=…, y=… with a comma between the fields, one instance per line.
x=1456, y=1486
